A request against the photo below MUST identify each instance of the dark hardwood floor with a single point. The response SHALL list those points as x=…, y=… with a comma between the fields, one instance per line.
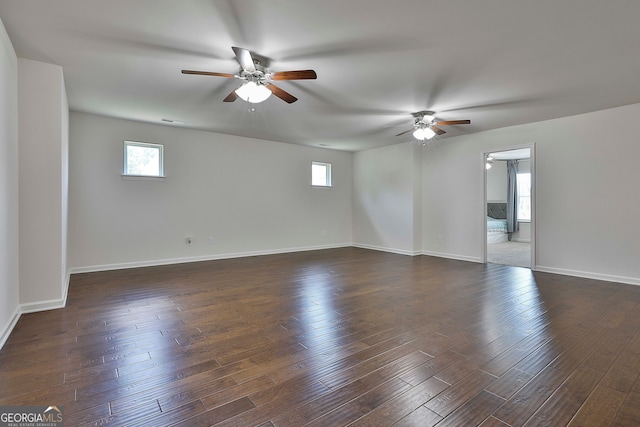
x=330, y=338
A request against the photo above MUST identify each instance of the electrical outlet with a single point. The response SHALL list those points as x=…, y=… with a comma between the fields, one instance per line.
x=188, y=241
x=211, y=240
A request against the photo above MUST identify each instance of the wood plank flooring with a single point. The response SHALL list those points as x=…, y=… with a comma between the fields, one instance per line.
x=330, y=338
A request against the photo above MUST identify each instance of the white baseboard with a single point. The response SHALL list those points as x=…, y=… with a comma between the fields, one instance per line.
x=383, y=249
x=212, y=257
x=33, y=307
x=453, y=256
x=65, y=290
x=6, y=329
x=589, y=275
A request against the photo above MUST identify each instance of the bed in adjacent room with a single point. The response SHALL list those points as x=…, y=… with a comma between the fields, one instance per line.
x=497, y=223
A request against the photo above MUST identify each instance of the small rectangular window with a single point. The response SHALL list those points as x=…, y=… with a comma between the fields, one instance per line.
x=143, y=159
x=320, y=174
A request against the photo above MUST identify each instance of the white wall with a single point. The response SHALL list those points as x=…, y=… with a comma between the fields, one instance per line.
x=43, y=152
x=586, y=193
x=386, y=183
x=64, y=190
x=497, y=182
x=452, y=187
x=9, y=274
x=523, y=234
x=417, y=198
x=251, y=196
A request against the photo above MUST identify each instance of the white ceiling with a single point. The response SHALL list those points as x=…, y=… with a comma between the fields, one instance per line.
x=495, y=62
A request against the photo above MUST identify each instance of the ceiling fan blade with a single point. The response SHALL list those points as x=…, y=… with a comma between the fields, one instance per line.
x=231, y=97
x=453, y=122
x=406, y=131
x=284, y=95
x=244, y=58
x=208, y=73
x=295, y=75
x=436, y=129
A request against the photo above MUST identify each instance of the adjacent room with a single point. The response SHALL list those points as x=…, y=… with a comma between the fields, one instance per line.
x=286, y=213
x=508, y=195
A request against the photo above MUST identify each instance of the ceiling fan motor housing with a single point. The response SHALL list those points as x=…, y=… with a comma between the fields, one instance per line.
x=421, y=117
x=259, y=76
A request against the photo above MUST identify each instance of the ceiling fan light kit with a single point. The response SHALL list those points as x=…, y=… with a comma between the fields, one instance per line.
x=253, y=93
x=423, y=133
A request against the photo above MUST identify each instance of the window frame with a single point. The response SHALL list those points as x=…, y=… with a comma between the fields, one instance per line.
x=328, y=178
x=159, y=147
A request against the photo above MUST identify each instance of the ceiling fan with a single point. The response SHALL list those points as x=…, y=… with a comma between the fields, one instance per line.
x=425, y=125
x=258, y=79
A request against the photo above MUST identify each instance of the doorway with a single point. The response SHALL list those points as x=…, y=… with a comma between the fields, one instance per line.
x=508, y=209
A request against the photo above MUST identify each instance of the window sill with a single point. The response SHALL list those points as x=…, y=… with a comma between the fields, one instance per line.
x=526, y=221
x=321, y=186
x=144, y=178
